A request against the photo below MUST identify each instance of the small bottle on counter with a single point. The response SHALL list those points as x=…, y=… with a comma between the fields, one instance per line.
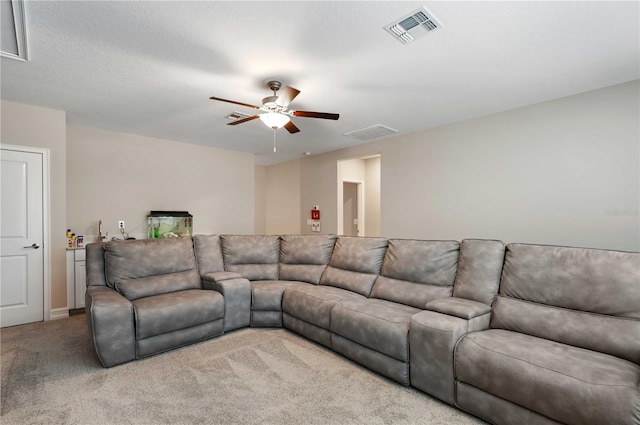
x=80, y=241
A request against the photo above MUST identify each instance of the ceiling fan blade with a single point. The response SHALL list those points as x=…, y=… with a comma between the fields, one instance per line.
x=291, y=127
x=253, y=117
x=234, y=102
x=287, y=95
x=309, y=114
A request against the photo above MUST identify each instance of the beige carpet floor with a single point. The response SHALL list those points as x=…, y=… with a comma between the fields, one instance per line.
x=51, y=375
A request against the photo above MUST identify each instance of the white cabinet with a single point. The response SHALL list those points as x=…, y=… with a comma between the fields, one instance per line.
x=76, y=278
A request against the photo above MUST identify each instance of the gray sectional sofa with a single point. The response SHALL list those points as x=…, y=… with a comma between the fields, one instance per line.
x=524, y=334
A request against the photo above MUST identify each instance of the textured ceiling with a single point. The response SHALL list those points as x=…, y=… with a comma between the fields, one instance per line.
x=149, y=68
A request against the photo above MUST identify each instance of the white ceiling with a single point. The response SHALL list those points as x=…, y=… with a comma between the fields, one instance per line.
x=149, y=68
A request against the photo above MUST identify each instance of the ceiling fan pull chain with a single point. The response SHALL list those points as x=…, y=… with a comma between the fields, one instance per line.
x=274, y=140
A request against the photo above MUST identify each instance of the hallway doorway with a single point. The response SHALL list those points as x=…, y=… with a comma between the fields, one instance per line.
x=351, y=193
x=359, y=196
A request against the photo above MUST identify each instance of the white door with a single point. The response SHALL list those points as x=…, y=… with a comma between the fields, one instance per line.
x=21, y=236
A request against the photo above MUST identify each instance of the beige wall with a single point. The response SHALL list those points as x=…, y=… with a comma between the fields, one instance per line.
x=260, y=185
x=372, y=197
x=45, y=128
x=548, y=173
x=561, y=172
x=282, y=198
x=319, y=186
x=115, y=176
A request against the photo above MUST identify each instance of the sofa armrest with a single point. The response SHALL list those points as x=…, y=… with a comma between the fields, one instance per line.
x=458, y=307
x=433, y=337
x=111, y=325
x=237, y=297
x=218, y=277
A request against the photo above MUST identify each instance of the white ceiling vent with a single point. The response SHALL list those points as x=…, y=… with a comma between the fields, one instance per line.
x=415, y=25
x=374, y=132
x=235, y=116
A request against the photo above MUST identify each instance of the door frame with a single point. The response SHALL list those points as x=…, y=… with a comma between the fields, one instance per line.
x=361, y=225
x=46, y=215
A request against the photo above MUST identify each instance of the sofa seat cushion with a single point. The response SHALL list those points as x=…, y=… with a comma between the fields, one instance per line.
x=377, y=324
x=266, y=295
x=568, y=384
x=170, y=312
x=313, y=304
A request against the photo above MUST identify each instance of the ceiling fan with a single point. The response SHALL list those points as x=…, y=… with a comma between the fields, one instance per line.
x=275, y=113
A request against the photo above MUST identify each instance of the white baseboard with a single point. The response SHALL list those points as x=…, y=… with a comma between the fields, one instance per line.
x=59, y=313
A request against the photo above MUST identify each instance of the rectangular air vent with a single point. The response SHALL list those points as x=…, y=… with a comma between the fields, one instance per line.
x=415, y=25
x=235, y=116
x=374, y=132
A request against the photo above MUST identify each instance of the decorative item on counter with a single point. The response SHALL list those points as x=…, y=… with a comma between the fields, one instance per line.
x=80, y=241
x=101, y=237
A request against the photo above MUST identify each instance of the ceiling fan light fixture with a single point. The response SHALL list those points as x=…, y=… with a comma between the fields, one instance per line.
x=274, y=120
x=275, y=113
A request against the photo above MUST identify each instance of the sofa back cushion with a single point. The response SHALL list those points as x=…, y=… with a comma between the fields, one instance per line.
x=130, y=263
x=208, y=254
x=415, y=272
x=132, y=289
x=588, y=298
x=479, y=270
x=252, y=256
x=94, y=255
x=305, y=258
x=355, y=263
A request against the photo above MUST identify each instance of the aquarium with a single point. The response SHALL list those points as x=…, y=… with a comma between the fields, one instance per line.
x=169, y=224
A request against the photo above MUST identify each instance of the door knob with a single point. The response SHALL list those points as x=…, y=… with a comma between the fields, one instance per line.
x=34, y=246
